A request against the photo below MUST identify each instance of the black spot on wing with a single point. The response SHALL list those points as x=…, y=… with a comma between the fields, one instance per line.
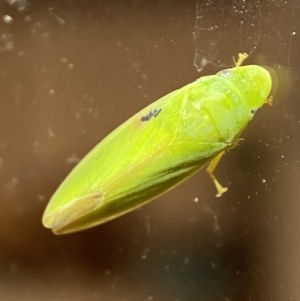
x=151, y=114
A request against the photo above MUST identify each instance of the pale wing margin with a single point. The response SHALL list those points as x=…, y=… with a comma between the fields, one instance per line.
x=75, y=210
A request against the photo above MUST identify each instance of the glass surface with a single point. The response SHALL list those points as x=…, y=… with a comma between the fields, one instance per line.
x=72, y=71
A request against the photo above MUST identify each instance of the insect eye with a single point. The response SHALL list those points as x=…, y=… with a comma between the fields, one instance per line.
x=226, y=73
x=254, y=111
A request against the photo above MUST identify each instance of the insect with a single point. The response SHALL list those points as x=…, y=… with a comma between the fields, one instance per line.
x=159, y=147
x=151, y=114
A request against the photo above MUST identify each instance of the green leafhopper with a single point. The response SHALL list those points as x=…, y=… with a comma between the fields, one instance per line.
x=159, y=147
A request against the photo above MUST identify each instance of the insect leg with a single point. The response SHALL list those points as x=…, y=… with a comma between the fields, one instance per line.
x=210, y=169
x=242, y=57
x=269, y=101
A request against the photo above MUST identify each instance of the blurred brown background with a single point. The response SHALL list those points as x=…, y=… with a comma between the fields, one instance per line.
x=70, y=72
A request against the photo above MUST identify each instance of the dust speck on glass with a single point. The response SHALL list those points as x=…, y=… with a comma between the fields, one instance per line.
x=225, y=23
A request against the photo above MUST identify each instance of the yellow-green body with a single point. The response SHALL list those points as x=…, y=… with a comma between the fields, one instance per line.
x=158, y=147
